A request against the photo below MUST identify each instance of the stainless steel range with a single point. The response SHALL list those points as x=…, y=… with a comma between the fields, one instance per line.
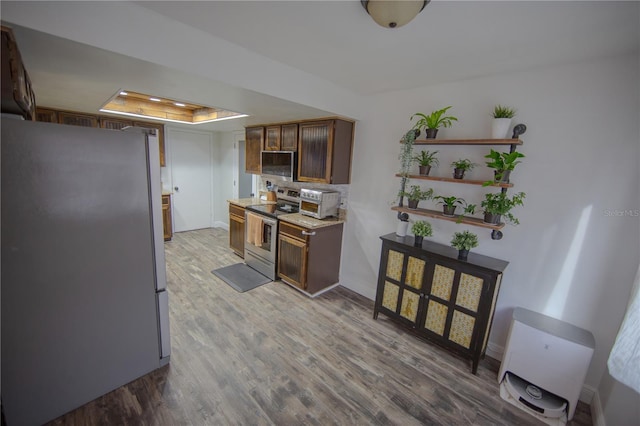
x=261, y=231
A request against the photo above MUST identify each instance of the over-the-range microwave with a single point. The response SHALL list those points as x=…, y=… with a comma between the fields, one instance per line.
x=279, y=165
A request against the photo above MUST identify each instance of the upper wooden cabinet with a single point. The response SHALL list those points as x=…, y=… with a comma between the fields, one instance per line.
x=77, y=119
x=46, y=115
x=324, y=151
x=114, y=123
x=272, y=138
x=17, y=94
x=254, y=144
x=73, y=118
x=289, y=137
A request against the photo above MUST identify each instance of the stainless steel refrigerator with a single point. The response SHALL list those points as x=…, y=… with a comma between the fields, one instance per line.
x=84, y=301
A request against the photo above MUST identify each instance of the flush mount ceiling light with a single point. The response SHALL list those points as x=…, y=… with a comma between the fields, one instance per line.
x=133, y=104
x=393, y=13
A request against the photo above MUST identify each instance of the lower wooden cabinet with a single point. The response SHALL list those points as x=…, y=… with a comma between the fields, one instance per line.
x=236, y=229
x=309, y=258
x=445, y=300
x=166, y=217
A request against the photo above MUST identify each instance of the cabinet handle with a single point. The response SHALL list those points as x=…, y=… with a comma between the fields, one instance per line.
x=309, y=233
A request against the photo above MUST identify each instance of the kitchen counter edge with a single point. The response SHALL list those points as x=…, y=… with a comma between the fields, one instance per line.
x=308, y=221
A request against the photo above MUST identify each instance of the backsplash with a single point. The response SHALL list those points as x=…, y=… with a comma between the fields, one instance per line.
x=342, y=189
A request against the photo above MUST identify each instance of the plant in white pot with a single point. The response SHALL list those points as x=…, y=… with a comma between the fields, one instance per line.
x=502, y=116
x=464, y=241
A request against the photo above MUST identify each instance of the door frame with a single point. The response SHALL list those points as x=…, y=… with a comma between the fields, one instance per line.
x=239, y=136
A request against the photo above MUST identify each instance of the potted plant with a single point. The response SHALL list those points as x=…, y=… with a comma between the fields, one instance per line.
x=449, y=204
x=497, y=205
x=415, y=195
x=460, y=166
x=464, y=241
x=503, y=163
x=433, y=121
x=421, y=229
x=425, y=160
x=406, y=160
x=502, y=116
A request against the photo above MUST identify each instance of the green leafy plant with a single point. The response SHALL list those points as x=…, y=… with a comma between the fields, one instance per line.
x=406, y=160
x=464, y=240
x=500, y=111
x=426, y=158
x=417, y=194
x=434, y=120
x=463, y=164
x=422, y=228
x=500, y=204
x=502, y=162
x=452, y=201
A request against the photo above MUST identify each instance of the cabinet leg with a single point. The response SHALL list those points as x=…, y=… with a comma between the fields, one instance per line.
x=375, y=314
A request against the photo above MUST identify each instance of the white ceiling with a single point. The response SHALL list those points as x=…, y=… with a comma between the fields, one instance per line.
x=335, y=41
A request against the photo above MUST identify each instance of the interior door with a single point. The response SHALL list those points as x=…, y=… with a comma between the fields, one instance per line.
x=191, y=171
x=245, y=189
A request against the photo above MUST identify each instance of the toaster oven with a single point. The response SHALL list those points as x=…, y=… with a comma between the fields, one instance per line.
x=319, y=203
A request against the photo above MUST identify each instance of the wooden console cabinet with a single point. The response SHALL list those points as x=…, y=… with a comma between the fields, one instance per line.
x=429, y=291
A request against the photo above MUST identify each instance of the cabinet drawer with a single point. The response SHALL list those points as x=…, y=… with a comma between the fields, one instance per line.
x=235, y=210
x=294, y=231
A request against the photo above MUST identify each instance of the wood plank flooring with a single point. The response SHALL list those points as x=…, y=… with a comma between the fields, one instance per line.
x=272, y=356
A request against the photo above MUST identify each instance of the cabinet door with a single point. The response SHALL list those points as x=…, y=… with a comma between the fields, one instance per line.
x=272, y=138
x=166, y=217
x=77, y=119
x=160, y=132
x=114, y=123
x=315, y=145
x=46, y=115
x=289, y=140
x=454, y=302
x=292, y=260
x=236, y=229
x=254, y=143
x=400, y=285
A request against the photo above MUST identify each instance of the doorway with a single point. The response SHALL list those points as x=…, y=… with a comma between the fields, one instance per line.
x=191, y=177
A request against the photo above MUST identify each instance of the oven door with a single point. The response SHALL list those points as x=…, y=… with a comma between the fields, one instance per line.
x=261, y=234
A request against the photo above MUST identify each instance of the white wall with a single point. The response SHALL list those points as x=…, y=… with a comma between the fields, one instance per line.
x=569, y=258
x=224, y=177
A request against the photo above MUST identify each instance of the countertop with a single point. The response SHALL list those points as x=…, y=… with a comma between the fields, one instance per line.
x=308, y=221
x=244, y=202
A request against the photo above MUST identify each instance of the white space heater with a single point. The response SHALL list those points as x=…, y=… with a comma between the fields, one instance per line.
x=544, y=365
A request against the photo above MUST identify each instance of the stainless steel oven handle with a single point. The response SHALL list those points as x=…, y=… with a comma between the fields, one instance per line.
x=309, y=233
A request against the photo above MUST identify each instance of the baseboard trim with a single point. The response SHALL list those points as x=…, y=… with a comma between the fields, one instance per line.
x=495, y=351
x=218, y=224
x=597, y=414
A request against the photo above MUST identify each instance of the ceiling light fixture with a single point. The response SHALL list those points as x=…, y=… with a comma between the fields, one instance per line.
x=393, y=13
x=135, y=104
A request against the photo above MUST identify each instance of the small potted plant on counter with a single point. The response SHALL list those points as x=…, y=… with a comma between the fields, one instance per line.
x=497, y=205
x=433, y=121
x=464, y=241
x=460, y=166
x=425, y=160
x=416, y=194
x=421, y=229
x=503, y=163
x=502, y=116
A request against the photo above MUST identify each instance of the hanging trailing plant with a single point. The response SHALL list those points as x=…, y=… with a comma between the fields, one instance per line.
x=406, y=160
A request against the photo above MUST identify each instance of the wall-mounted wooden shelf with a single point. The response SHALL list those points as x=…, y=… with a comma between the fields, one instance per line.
x=466, y=181
x=438, y=215
x=467, y=142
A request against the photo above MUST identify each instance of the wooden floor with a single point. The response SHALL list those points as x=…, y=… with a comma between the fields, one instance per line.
x=272, y=356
